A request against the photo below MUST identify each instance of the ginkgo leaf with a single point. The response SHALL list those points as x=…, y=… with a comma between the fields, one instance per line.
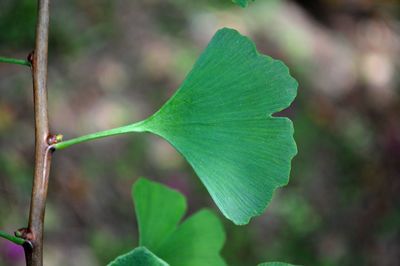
x=140, y=256
x=275, y=264
x=221, y=121
x=242, y=3
x=158, y=210
x=197, y=241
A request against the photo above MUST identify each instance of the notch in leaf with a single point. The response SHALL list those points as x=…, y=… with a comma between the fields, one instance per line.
x=196, y=241
x=220, y=120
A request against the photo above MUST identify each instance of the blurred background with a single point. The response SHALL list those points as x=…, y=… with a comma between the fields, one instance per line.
x=115, y=62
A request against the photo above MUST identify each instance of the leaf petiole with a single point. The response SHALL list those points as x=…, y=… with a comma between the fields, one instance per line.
x=14, y=239
x=136, y=127
x=14, y=61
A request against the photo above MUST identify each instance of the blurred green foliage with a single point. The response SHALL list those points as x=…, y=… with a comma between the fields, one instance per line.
x=125, y=58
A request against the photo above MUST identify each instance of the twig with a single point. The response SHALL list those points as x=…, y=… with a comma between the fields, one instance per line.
x=34, y=256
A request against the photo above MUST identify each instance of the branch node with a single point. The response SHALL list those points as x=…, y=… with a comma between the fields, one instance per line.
x=54, y=139
x=25, y=234
x=31, y=57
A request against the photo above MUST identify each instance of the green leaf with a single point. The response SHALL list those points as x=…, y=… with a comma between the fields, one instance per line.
x=221, y=121
x=275, y=264
x=197, y=241
x=140, y=256
x=242, y=3
x=158, y=209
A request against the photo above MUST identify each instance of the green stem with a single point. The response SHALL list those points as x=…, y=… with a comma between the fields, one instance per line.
x=137, y=127
x=14, y=239
x=14, y=61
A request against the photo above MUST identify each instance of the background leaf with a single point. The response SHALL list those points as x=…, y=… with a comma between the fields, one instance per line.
x=140, y=256
x=221, y=120
x=158, y=209
x=197, y=241
x=242, y=3
x=275, y=264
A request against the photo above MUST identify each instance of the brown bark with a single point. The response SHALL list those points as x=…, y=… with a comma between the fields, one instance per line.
x=34, y=255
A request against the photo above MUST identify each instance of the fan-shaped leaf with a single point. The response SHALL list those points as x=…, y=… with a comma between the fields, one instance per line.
x=196, y=242
x=158, y=209
x=221, y=120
